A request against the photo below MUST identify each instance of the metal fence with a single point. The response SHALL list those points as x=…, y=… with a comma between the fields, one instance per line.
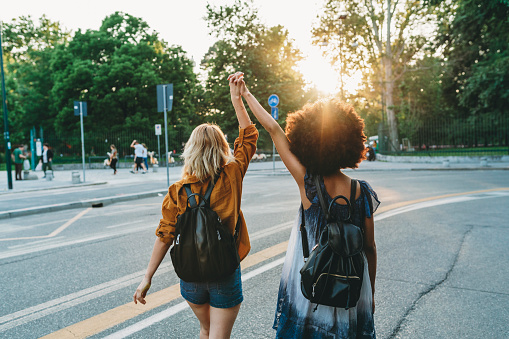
x=473, y=136
x=68, y=149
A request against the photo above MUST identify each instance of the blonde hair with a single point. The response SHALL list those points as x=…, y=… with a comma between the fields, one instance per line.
x=206, y=152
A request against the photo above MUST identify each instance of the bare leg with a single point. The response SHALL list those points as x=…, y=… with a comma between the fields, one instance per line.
x=222, y=320
x=202, y=312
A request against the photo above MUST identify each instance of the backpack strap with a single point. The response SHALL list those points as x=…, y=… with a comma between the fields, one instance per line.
x=303, y=233
x=321, y=197
x=353, y=191
x=191, y=199
x=237, y=229
x=208, y=193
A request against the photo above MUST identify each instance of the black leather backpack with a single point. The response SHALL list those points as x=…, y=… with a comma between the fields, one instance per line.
x=333, y=272
x=204, y=250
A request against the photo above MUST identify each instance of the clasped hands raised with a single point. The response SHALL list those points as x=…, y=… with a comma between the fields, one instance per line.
x=237, y=85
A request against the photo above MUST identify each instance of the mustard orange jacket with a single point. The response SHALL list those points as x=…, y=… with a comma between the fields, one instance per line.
x=226, y=196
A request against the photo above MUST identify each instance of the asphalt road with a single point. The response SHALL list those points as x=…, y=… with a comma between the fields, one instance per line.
x=442, y=262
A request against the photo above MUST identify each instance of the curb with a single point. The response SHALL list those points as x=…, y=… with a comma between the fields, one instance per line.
x=97, y=202
x=55, y=187
x=462, y=169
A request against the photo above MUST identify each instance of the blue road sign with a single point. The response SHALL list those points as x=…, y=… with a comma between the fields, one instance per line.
x=273, y=100
x=275, y=112
x=160, y=97
x=83, y=107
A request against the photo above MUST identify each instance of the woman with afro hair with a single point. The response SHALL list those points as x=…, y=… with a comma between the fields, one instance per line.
x=320, y=141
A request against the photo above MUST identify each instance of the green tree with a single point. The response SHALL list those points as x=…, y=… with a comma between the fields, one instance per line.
x=266, y=55
x=28, y=47
x=116, y=70
x=475, y=42
x=380, y=38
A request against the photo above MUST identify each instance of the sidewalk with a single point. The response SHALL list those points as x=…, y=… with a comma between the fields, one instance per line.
x=63, y=179
x=156, y=183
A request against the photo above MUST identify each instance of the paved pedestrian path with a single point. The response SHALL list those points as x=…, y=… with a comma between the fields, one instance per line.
x=63, y=178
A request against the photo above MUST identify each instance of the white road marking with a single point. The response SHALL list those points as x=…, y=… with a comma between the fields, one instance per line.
x=35, y=312
x=271, y=230
x=127, y=223
x=183, y=305
x=55, y=232
x=44, y=247
x=438, y=202
x=35, y=242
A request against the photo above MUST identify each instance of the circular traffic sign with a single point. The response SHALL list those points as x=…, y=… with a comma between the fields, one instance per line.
x=273, y=100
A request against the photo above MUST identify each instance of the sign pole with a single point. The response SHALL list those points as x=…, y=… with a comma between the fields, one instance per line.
x=6, y=120
x=164, y=104
x=273, y=102
x=166, y=137
x=32, y=148
x=82, y=140
x=273, y=157
x=159, y=148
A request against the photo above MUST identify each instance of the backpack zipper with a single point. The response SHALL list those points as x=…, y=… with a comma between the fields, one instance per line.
x=334, y=275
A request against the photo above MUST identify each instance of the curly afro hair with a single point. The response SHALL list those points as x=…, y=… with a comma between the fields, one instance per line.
x=326, y=136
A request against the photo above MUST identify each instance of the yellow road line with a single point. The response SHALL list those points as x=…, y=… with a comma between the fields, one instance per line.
x=411, y=202
x=55, y=232
x=118, y=315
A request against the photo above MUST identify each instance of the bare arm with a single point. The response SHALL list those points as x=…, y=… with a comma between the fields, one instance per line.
x=132, y=143
x=158, y=253
x=370, y=251
x=278, y=136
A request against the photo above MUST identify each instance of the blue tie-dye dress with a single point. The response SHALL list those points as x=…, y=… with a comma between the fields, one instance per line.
x=295, y=315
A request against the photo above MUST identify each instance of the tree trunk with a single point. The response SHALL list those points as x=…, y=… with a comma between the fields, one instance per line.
x=389, y=86
x=389, y=106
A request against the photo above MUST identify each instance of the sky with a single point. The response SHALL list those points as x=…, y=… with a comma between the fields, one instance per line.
x=181, y=23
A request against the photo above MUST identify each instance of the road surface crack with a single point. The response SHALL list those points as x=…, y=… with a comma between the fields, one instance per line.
x=431, y=288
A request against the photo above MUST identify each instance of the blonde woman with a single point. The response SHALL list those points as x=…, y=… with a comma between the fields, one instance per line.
x=207, y=154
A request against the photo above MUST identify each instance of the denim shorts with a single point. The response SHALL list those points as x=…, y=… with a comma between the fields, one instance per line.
x=223, y=293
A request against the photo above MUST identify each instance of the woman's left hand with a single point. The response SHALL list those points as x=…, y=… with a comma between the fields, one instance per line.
x=141, y=291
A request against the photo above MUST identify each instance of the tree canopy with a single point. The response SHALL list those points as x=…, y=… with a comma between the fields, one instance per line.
x=474, y=37
x=115, y=69
x=266, y=55
x=420, y=61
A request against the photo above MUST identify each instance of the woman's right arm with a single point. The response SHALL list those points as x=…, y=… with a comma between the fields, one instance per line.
x=165, y=233
x=276, y=133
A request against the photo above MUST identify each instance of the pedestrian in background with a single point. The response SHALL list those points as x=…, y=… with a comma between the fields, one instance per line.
x=46, y=158
x=113, y=158
x=322, y=139
x=145, y=155
x=18, y=157
x=138, y=157
x=207, y=155
x=27, y=154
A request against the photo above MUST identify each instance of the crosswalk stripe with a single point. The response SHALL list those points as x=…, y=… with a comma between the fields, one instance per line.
x=120, y=314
